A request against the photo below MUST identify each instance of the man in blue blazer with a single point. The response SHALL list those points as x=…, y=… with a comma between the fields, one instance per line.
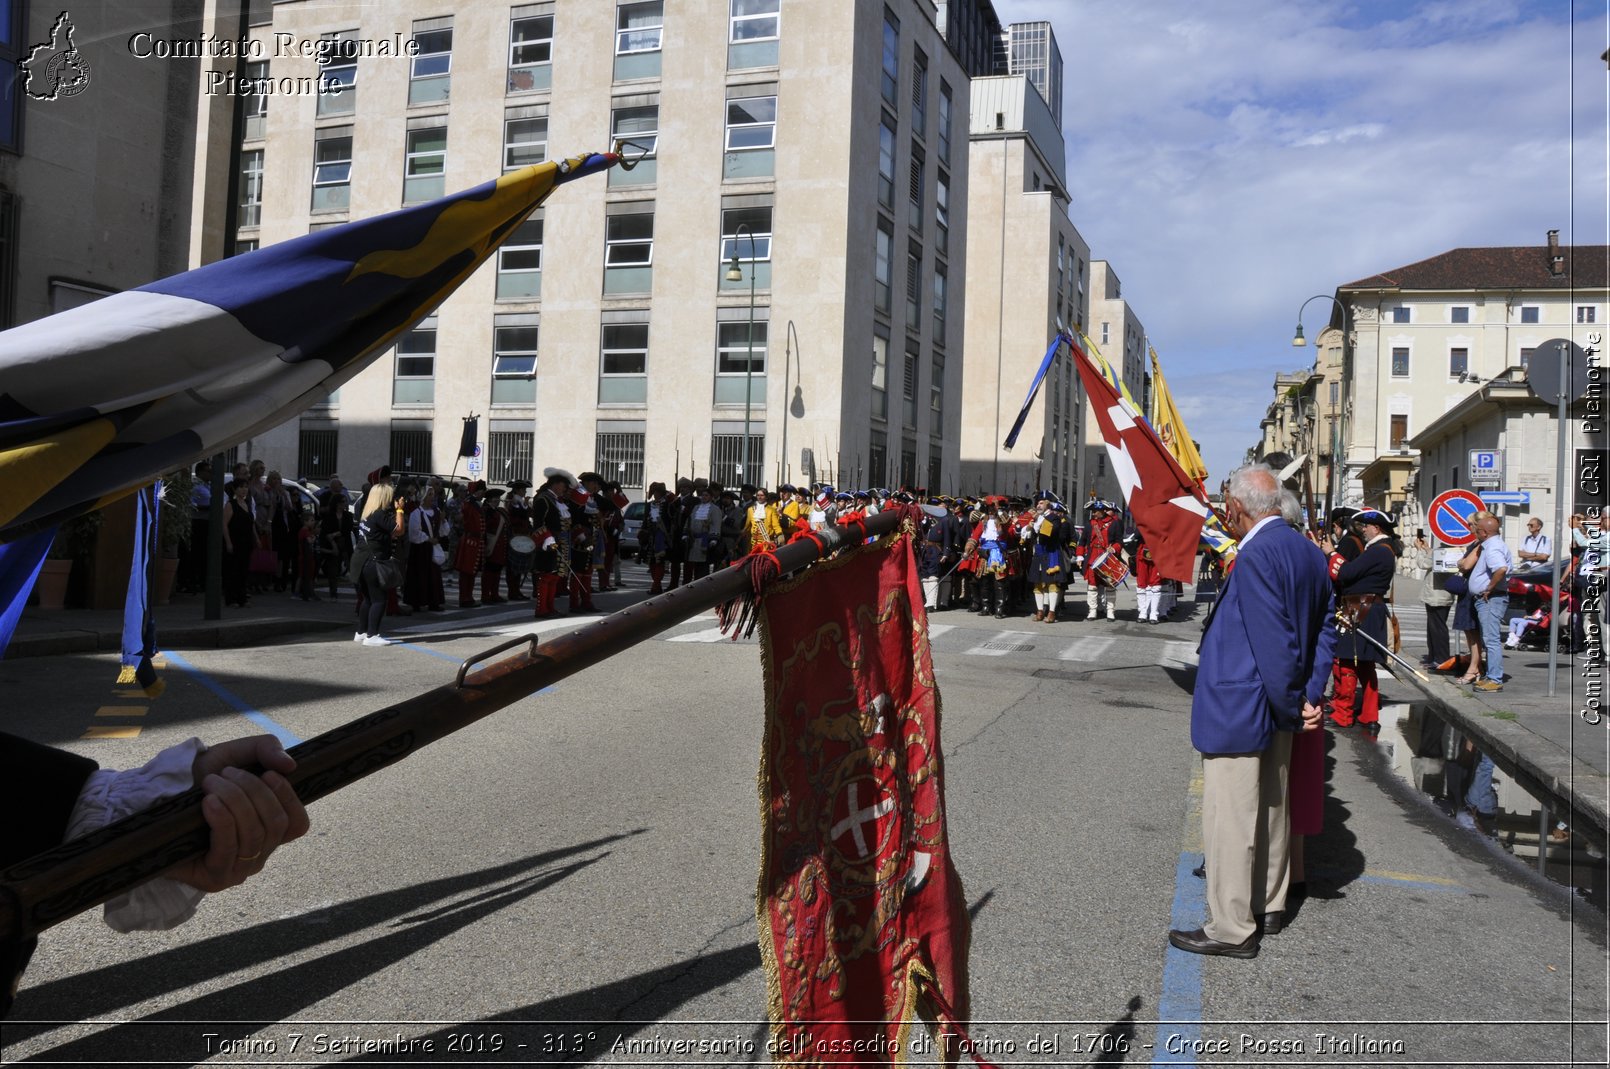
x=1265, y=658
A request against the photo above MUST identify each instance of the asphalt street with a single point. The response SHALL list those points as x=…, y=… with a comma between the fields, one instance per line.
x=577, y=873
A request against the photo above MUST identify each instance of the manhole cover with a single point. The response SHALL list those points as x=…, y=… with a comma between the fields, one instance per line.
x=1009, y=647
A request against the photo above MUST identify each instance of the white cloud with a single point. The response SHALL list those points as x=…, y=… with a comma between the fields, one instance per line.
x=1230, y=167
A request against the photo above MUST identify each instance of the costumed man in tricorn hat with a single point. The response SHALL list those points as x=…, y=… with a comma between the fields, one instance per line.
x=550, y=520
x=496, y=521
x=1047, y=538
x=1099, y=593
x=1362, y=586
x=471, y=543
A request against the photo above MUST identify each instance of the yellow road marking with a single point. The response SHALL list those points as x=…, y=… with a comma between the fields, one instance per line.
x=1412, y=878
x=120, y=710
x=111, y=733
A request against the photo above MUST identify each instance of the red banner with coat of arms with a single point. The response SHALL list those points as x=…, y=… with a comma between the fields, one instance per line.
x=862, y=919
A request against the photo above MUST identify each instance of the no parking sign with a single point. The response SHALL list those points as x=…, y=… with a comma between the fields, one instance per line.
x=1450, y=517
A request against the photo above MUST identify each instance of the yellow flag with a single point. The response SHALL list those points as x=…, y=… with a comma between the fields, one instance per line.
x=1170, y=427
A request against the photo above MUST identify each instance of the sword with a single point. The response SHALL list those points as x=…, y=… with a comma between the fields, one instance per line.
x=1346, y=627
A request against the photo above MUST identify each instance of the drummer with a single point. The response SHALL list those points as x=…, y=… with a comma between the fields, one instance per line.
x=1095, y=549
x=521, y=547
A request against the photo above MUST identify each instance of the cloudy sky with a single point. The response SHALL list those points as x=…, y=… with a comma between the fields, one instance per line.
x=1232, y=158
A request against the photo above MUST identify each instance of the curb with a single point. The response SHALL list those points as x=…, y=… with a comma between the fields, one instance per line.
x=207, y=636
x=1538, y=764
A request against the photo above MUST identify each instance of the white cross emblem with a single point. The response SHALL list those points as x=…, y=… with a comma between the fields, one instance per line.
x=857, y=817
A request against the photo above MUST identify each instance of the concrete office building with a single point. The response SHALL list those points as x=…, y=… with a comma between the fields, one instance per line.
x=822, y=146
x=1121, y=339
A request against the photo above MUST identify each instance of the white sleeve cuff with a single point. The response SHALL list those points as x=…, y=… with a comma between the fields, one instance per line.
x=109, y=796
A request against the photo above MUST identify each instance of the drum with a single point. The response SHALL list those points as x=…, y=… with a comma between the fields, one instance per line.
x=521, y=549
x=1110, y=568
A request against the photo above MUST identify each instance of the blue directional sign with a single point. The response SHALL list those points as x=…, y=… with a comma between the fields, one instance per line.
x=1507, y=497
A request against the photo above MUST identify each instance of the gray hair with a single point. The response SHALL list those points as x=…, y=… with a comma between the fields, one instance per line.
x=1257, y=488
x=1291, y=510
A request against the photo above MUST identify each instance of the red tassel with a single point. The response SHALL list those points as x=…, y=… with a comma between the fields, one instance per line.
x=947, y=1017
x=739, y=616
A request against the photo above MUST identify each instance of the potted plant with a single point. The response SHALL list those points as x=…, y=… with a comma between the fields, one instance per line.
x=173, y=531
x=74, y=541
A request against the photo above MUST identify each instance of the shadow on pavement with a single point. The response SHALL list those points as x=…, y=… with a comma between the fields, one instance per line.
x=279, y=995
x=1333, y=859
x=1117, y=1039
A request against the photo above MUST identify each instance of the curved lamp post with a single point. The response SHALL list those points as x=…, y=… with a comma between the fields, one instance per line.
x=734, y=274
x=1299, y=341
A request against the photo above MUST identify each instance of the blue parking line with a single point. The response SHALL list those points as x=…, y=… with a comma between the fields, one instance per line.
x=234, y=701
x=1179, y=1006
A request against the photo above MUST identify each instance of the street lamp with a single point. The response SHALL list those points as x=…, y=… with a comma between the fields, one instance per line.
x=790, y=339
x=734, y=274
x=1299, y=341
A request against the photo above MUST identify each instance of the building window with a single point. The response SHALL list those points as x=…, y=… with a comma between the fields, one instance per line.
x=1105, y=333
x=908, y=463
x=1400, y=314
x=944, y=120
x=886, y=133
x=942, y=213
x=891, y=59
x=332, y=168
x=520, y=263
x=880, y=380
x=1586, y=313
x=508, y=451
x=936, y=467
x=936, y=396
x=244, y=246
x=882, y=267
x=638, y=124
x=525, y=139
x=411, y=445
x=878, y=457
x=751, y=137
x=639, y=27
x=629, y=252
x=425, y=166
x=13, y=28
x=251, y=188
x=315, y=449
x=623, y=364
x=1458, y=363
x=1459, y=313
x=754, y=259
x=430, y=76
x=941, y=285
x=1334, y=393
x=914, y=215
x=919, y=94
x=729, y=465
x=338, y=92
x=1400, y=362
x=1526, y=358
x=514, y=359
x=908, y=392
x=741, y=360
x=914, y=288
x=1400, y=431
x=254, y=104
x=618, y=455
x=530, y=53
x=753, y=32
x=415, y=380
x=1529, y=313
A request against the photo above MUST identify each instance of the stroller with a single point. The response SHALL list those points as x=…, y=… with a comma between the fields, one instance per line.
x=1537, y=598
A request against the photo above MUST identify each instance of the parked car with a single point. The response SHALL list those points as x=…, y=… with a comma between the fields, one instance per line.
x=632, y=520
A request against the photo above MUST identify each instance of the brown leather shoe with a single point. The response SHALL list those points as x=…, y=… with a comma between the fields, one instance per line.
x=1050, y=617
x=1197, y=941
x=1039, y=614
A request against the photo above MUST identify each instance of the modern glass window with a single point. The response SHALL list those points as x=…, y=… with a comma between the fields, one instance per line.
x=251, y=188
x=945, y=108
x=639, y=28
x=623, y=364
x=886, y=134
x=880, y=378
x=754, y=258
x=1459, y=313
x=415, y=379
x=942, y=213
x=514, y=360
x=891, y=59
x=1458, y=362
x=338, y=91
x=919, y=94
x=1529, y=313
x=882, y=267
x=941, y=295
x=254, y=105
x=525, y=141
x=425, y=166
x=640, y=125
x=332, y=168
x=1586, y=313
x=628, y=253
x=1400, y=362
x=753, y=31
x=520, y=263
x=431, y=71
x=914, y=288
x=738, y=362
x=1400, y=431
x=530, y=53
x=751, y=137
x=1400, y=314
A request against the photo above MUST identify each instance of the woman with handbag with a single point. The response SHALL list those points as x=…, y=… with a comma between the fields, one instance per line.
x=426, y=554
x=240, y=541
x=381, y=573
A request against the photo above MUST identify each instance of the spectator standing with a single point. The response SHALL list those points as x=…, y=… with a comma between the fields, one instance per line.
x=704, y=531
x=193, y=557
x=379, y=531
x=1535, y=545
x=1494, y=562
x=284, y=523
x=424, y=574
x=1435, y=597
x=240, y=538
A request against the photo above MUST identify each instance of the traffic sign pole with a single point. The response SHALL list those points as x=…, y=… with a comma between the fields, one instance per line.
x=1559, y=515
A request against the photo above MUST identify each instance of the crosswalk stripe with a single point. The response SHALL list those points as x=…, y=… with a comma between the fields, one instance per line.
x=1003, y=639
x=1179, y=652
x=1089, y=648
x=935, y=630
x=709, y=634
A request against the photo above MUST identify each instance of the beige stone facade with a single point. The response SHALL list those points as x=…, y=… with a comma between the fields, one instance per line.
x=641, y=345
x=1119, y=336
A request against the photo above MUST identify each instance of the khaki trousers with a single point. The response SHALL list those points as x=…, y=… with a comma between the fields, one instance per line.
x=1245, y=837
